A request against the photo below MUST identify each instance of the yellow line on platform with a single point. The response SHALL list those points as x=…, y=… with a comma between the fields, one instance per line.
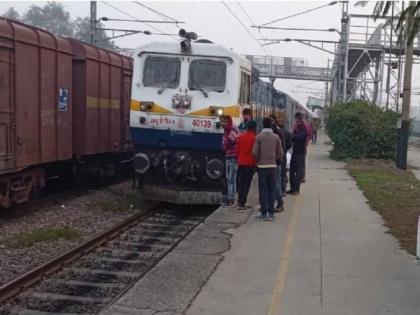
x=276, y=297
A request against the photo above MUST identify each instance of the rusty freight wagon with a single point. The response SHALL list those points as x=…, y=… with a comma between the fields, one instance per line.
x=63, y=107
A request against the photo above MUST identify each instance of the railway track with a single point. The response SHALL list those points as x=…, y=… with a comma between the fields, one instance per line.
x=55, y=194
x=91, y=276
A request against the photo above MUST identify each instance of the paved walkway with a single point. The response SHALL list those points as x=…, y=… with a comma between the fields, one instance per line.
x=328, y=254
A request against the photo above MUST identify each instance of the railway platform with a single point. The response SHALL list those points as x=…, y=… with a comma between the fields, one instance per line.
x=327, y=253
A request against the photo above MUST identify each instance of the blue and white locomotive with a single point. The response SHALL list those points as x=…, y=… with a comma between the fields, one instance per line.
x=179, y=91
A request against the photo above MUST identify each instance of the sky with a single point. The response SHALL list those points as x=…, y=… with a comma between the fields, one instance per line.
x=214, y=21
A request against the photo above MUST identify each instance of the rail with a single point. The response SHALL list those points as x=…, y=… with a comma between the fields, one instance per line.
x=13, y=287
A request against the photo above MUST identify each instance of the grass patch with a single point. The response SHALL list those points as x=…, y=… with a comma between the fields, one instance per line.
x=28, y=239
x=392, y=192
x=121, y=202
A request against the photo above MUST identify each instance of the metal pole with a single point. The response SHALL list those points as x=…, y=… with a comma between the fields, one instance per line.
x=405, y=122
x=388, y=80
x=93, y=20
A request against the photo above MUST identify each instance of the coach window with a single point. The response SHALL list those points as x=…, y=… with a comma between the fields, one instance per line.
x=161, y=72
x=207, y=75
x=245, y=92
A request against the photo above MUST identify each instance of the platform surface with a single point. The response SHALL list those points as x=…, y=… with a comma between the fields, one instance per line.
x=328, y=254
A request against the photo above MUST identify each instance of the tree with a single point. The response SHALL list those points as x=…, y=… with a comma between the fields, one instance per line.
x=54, y=18
x=12, y=14
x=51, y=17
x=408, y=26
x=81, y=27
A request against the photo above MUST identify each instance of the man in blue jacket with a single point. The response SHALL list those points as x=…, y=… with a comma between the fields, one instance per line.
x=297, y=162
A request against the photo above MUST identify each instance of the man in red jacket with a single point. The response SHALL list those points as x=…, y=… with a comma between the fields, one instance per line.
x=246, y=162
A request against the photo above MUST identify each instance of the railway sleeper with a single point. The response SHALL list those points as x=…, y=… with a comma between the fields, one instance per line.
x=166, y=234
x=99, y=285
x=99, y=264
x=33, y=312
x=129, y=254
x=170, y=221
x=140, y=247
x=161, y=227
x=148, y=240
x=116, y=274
x=54, y=302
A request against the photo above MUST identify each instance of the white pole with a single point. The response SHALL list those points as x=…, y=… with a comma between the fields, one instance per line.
x=418, y=240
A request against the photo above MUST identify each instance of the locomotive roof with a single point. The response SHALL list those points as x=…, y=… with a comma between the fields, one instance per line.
x=197, y=48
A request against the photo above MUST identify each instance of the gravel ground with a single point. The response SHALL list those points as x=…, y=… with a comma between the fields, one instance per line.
x=88, y=214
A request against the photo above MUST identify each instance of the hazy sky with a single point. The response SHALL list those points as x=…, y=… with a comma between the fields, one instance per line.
x=213, y=20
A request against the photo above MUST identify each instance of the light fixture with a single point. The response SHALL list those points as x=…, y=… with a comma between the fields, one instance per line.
x=146, y=106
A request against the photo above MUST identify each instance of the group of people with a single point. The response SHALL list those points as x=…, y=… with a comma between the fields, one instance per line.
x=265, y=153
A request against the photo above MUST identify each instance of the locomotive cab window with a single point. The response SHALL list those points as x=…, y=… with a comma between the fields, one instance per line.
x=161, y=72
x=207, y=75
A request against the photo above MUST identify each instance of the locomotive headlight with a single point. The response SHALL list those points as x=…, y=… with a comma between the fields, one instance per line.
x=146, y=106
x=186, y=101
x=176, y=100
x=183, y=101
x=216, y=110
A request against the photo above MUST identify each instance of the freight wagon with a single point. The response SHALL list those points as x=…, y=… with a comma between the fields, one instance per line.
x=64, y=109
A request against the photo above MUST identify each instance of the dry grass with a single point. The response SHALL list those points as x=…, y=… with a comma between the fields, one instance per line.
x=394, y=193
x=28, y=239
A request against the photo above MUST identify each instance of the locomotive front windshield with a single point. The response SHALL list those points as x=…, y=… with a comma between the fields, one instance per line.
x=161, y=72
x=207, y=75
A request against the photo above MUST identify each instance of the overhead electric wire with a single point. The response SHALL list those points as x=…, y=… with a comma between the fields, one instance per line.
x=252, y=22
x=133, y=17
x=244, y=27
x=157, y=12
x=300, y=13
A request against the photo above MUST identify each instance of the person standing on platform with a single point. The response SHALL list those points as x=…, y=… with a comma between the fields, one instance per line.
x=279, y=193
x=229, y=144
x=246, y=163
x=308, y=139
x=314, y=126
x=287, y=144
x=246, y=115
x=267, y=151
x=297, y=162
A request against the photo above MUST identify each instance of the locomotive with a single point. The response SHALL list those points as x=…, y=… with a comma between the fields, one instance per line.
x=179, y=91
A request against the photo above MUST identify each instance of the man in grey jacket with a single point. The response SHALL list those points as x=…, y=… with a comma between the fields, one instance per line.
x=268, y=152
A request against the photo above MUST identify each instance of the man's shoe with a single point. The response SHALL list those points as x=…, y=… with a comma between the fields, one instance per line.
x=303, y=180
x=295, y=192
x=290, y=192
x=261, y=216
x=271, y=217
x=279, y=209
x=241, y=209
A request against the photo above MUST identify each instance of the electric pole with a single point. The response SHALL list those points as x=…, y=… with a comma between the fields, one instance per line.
x=402, y=146
x=93, y=21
